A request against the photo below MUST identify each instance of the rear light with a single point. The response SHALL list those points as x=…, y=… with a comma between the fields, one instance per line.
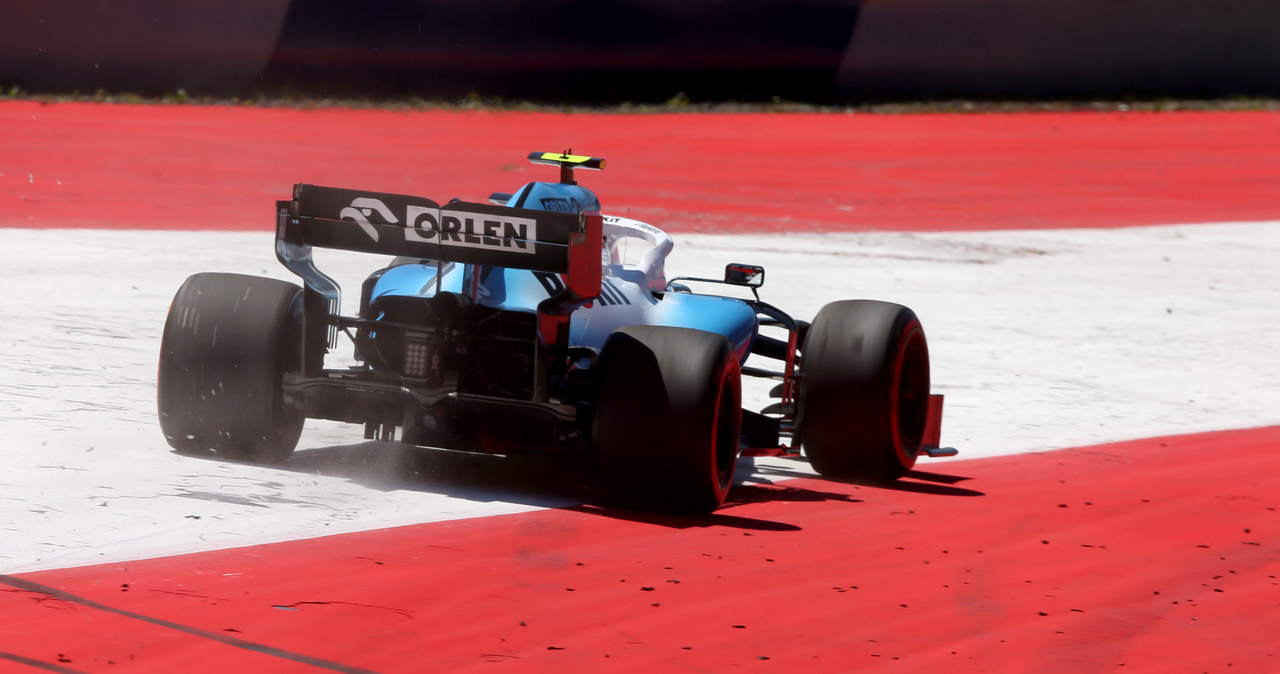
x=417, y=355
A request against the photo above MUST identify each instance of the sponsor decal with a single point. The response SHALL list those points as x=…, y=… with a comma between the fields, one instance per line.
x=448, y=227
x=550, y=282
x=363, y=207
x=633, y=224
x=560, y=205
x=610, y=294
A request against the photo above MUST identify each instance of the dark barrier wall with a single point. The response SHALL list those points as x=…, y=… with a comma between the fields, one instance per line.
x=136, y=45
x=586, y=50
x=594, y=50
x=610, y=51
x=1065, y=48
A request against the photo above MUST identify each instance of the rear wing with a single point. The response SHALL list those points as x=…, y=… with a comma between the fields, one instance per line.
x=400, y=225
x=468, y=233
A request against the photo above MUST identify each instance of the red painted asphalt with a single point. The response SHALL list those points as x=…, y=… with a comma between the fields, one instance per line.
x=124, y=166
x=1156, y=555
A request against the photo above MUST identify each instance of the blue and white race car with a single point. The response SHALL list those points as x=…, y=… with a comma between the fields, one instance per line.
x=516, y=325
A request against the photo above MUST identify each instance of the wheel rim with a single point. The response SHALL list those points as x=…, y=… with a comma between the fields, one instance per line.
x=726, y=441
x=910, y=395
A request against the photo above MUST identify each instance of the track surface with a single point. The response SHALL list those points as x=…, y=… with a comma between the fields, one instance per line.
x=223, y=168
x=1136, y=555
x=1151, y=555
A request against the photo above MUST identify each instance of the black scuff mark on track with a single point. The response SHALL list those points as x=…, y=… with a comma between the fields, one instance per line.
x=183, y=594
x=263, y=649
x=1119, y=458
x=38, y=664
x=405, y=615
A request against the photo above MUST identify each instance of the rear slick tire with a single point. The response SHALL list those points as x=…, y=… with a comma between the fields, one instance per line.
x=228, y=341
x=864, y=391
x=668, y=419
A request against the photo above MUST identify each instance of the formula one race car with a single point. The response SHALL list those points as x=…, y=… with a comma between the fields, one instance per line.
x=518, y=326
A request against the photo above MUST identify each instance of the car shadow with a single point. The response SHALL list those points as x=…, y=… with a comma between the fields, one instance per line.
x=543, y=481
x=741, y=494
x=549, y=481
x=561, y=481
x=719, y=519
x=916, y=481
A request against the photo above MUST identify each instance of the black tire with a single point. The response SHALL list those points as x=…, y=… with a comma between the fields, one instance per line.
x=227, y=343
x=667, y=421
x=864, y=391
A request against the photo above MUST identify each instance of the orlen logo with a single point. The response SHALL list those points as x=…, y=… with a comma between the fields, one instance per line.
x=452, y=228
x=360, y=210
